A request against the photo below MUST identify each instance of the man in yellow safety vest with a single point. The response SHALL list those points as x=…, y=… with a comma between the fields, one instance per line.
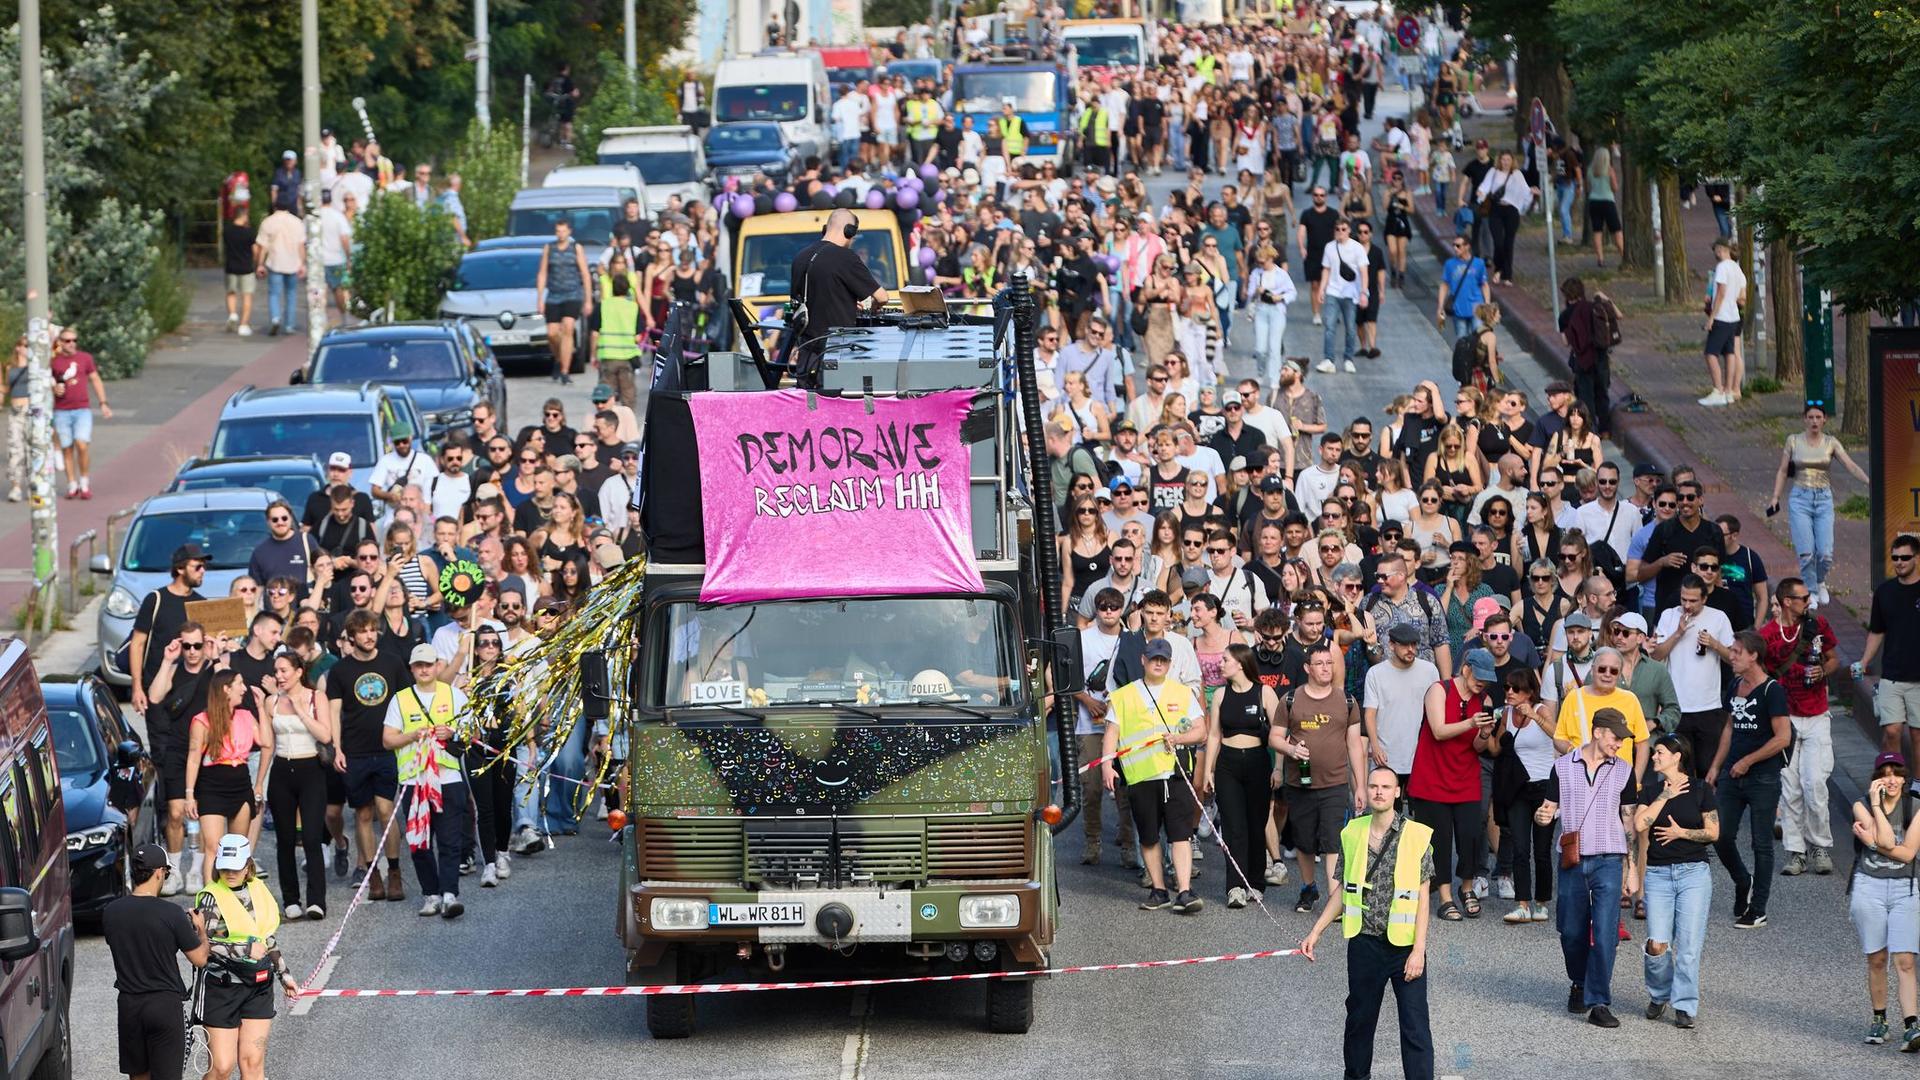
x=1013, y=131
x=1146, y=720
x=923, y=123
x=1386, y=868
x=619, y=339
x=1098, y=150
x=419, y=726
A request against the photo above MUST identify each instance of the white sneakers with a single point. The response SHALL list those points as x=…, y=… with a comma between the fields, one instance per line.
x=1325, y=367
x=1349, y=368
x=451, y=907
x=1316, y=318
x=245, y=330
x=1237, y=897
x=1277, y=872
x=1719, y=398
x=1825, y=597
x=489, y=877
x=292, y=912
x=503, y=866
x=431, y=907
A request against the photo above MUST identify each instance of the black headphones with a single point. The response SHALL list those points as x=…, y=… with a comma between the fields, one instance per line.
x=848, y=230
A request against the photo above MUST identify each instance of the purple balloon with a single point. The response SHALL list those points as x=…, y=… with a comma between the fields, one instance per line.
x=1113, y=264
x=928, y=257
x=875, y=198
x=939, y=197
x=743, y=206
x=785, y=203
x=929, y=171
x=831, y=189
x=909, y=183
x=907, y=200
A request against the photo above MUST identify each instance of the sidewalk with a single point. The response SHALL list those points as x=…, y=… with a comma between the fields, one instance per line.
x=161, y=417
x=1735, y=449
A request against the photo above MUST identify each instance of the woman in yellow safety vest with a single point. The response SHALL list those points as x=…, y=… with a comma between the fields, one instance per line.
x=239, y=917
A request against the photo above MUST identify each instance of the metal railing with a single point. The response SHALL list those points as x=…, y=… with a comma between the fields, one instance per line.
x=113, y=549
x=88, y=538
x=41, y=603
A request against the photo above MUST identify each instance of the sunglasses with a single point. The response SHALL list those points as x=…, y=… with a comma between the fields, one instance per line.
x=1541, y=578
x=195, y=645
x=1107, y=607
x=1495, y=511
x=1192, y=543
x=1606, y=671
x=279, y=519
x=1607, y=483
x=1706, y=566
x=1685, y=498
x=280, y=590
x=1665, y=504
x=1901, y=558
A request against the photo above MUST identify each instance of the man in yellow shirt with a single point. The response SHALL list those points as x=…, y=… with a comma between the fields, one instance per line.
x=1603, y=691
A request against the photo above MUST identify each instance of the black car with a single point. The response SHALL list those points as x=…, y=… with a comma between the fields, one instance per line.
x=745, y=147
x=106, y=778
x=291, y=476
x=445, y=365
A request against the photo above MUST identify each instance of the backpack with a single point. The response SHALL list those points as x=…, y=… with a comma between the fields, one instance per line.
x=1606, y=321
x=1467, y=357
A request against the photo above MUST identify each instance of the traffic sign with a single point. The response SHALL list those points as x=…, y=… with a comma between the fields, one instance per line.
x=1537, y=121
x=1407, y=32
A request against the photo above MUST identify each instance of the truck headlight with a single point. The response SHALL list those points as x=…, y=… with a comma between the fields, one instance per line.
x=86, y=839
x=989, y=911
x=678, y=913
x=121, y=604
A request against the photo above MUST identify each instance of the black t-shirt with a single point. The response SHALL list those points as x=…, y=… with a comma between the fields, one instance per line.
x=1474, y=171
x=1502, y=579
x=1419, y=438
x=145, y=933
x=948, y=140
x=336, y=538
x=1496, y=440
x=161, y=615
x=1896, y=613
x=320, y=507
x=1750, y=716
x=252, y=672
x=1670, y=536
x=558, y=442
x=1076, y=280
x=1367, y=464
x=1152, y=115
x=1319, y=223
x=527, y=517
x=236, y=248
x=1240, y=217
x=363, y=687
x=1166, y=492
x=1035, y=222
x=1230, y=446
x=168, y=718
x=1688, y=811
x=833, y=281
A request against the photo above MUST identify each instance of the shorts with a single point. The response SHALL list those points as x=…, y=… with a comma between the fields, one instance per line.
x=866, y=138
x=337, y=276
x=1370, y=313
x=226, y=1004
x=370, y=778
x=1722, y=337
x=1603, y=215
x=73, y=425
x=1312, y=270
x=1164, y=803
x=172, y=783
x=1886, y=914
x=887, y=135
x=243, y=284
x=555, y=310
x=1897, y=702
x=223, y=790
x=1317, y=816
x=153, y=1035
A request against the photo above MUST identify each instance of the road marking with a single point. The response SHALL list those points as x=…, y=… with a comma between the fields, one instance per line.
x=320, y=977
x=853, y=1056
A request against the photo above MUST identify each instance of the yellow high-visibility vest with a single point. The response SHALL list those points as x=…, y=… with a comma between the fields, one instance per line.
x=1403, y=909
x=1013, y=135
x=619, y=325
x=1142, y=726
x=413, y=719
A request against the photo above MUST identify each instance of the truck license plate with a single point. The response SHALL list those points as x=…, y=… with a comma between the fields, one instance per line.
x=756, y=914
x=509, y=337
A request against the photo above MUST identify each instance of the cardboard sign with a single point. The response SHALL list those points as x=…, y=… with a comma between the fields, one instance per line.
x=227, y=616
x=809, y=495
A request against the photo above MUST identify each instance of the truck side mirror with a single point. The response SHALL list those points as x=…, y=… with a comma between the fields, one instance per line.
x=17, y=939
x=596, y=687
x=1069, y=677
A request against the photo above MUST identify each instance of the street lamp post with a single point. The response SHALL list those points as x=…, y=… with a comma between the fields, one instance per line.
x=33, y=177
x=483, y=64
x=310, y=135
x=632, y=54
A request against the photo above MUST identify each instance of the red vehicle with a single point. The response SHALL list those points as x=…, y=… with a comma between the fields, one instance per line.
x=36, y=913
x=846, y=65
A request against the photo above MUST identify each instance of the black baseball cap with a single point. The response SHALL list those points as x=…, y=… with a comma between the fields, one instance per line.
x=146, y=859
x=187, y=553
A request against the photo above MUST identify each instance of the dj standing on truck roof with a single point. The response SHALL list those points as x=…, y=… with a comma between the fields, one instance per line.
x=829, y=284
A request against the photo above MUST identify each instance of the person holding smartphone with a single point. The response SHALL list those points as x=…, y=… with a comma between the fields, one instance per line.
x=1461, y=722
x=1677, y=818
x=1885, y=900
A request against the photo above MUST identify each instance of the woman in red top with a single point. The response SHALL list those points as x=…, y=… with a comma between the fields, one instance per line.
x=1445, y=785
x=221, y=793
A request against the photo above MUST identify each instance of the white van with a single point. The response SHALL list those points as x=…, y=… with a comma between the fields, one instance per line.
x=1117, y=45
x=671, y=160
x=629, y=181
x=778, y=85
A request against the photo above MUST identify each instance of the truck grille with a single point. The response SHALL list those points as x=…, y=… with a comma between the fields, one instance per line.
x=790, y=852
x=689, y=849
x=883, y=857
x=972, y=848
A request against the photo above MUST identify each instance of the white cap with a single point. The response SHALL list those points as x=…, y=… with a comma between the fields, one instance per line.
x=340, y=459
x=423, y=654
x=234, y=854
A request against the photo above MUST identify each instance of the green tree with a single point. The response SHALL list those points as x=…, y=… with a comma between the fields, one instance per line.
x=624, y=100
x=403, y=258
x=488, y=161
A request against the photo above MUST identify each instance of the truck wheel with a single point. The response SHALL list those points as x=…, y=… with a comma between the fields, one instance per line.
x=1009, y=1006
x=56, y=1061
x=669, y=1016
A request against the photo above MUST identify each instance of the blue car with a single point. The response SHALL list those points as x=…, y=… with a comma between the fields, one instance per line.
x=316, y=421
x=293, y=477
x=107, y=781
x=445, y=365
x=746, y=147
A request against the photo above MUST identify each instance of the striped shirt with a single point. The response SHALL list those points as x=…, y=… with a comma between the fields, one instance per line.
x=1590, y=802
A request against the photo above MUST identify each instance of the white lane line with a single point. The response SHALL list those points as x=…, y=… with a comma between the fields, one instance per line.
x=305, y=1005
x=853, y=1055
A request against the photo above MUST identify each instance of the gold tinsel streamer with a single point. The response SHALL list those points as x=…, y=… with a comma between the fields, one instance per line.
x=541, y=686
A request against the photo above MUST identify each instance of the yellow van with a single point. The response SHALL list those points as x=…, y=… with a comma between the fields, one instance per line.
x=765, y=246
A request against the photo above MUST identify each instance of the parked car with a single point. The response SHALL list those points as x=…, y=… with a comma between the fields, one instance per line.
x=625, y=178
x=107, y=781
x=36, y=911
x=669, y=157
x=592, y=211
x=493, y=291
x=317, y=421
x=751, y=146
x=291, y=476
x=227, y=523
x=445, y=366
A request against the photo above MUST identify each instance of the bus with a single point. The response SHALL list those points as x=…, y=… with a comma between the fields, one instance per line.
x=1040, y=95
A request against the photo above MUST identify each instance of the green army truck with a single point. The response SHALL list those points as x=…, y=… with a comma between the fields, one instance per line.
x=850, y=785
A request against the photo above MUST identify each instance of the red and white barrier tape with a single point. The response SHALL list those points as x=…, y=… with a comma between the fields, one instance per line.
x=817, y=984
x=359, y=895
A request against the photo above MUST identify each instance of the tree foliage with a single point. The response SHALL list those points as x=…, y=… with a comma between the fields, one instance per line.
x=488, y=161
x=624, y=100
x=403, y=257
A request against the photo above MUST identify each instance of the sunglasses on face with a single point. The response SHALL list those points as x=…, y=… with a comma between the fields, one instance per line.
x=1496, y=512
x=1665, y=504
x=1107, y=607
x=1901, y=558
x=1192, y=543
x=1687, y=498
x=194, y=645
x=1606, y=671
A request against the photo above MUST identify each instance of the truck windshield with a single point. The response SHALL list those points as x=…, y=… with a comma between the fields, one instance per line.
x=984, y=91
x=867, y=651
x=766, y=260
x=760, y=103
x=656, y=166
x=1106, y=50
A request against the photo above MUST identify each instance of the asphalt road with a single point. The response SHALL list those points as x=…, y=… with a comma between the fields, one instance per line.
x=1785, y=1001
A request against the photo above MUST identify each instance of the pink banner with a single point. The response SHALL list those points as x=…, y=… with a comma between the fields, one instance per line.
x=833, y=500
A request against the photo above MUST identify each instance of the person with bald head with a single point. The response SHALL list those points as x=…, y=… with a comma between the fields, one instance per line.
x=830, y=281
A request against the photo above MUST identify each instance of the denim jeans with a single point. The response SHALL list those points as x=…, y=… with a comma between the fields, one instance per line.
x=438, y=864
x=1440, y=194
x=569, y=763
x=1563, y=196
x=283, y=299
x=1458, y=326
x=1678, y=897
x=526, y=790
x=1757, y=792
x=1589, y=923
x=1269, y=340
x=1810, y=520
x=1336, y=312
x=844, y=153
